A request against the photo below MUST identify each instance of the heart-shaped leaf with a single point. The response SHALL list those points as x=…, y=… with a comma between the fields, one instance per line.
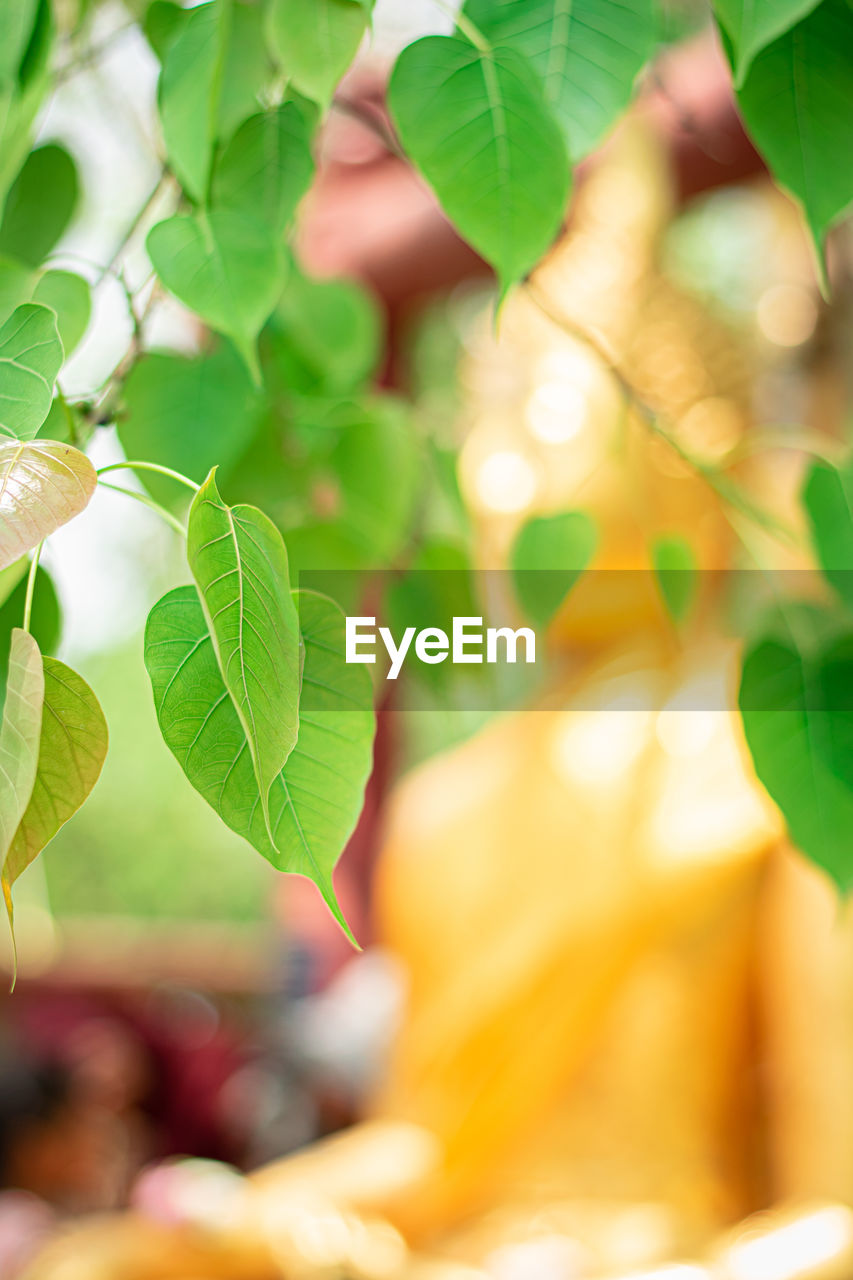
x=225, y=266
x=675, y=570
x=239, y=563
x=317, y=42
x=20, y=730
x=588, y=54
x=30, y=359
x=267, y=167
x=45, y=617
x=72, y=748
x=188, y=414
x=43, y=485
x=796, y=102
x=828, y=501
x=476, y=124
x=798, y=733
x=17, y=18
x=316, y=799
x=40, y=205
x=68, y=296
x=548, y=556
x=753, y=24
x=188, y=94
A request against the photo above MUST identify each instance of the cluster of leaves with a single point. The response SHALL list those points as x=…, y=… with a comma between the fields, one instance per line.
x=250, y=689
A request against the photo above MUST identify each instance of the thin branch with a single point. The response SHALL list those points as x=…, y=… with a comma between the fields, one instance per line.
x=371, y=120
x=139, y=217
x=148, y=502
x=730, y=494
x=150, y=466
x=31, y=585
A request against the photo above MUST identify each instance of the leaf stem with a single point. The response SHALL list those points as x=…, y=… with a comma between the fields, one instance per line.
x=148, y=502
x=31, y=585
x=729, y=493
x=464, y=24
x=150, y=466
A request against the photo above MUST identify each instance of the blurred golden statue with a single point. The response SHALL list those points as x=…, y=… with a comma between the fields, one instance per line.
x=629, y=1018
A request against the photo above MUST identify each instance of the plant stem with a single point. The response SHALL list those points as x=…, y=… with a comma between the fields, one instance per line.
x=464, y=24
x=730, y=494
x=138, y=219
x=31, y=585
x=151, y=466
x=148, y=502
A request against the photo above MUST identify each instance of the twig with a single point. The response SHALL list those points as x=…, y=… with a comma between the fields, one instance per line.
x=371, y=120
x=730, y=494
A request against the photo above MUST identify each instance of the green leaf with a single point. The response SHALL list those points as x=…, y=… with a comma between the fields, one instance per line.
x=43, y=485
x=187, y=413
x=226, y=267
x=752, y=24
x=20, y=102
x=188, y=94
x=548, y=556
x=162, y=23
x=376, y=467
x=20, y=729
x=30, y=359
x=71, y=751
x=40, y=205
x=16, y=286
x=828, y=501
x=798, y=732
x=316, y=43
x=325, y=336
x=45, y=619
x=477, y=126
x=69, y=297
x=17, y=19
x=588, y=54
x=267, y=167
x=796, y=102
x=316, y=799
x=246, y=70
x=239, y=563
x=675, y=571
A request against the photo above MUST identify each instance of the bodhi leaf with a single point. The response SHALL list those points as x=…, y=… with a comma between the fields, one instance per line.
x=188, y=94
x=751, y=25
x=828, y=500
x=246, y=69
x=239, y=563
x=69, y=297
x=324, y=336
x=797, y=718
x=316, y=799
x=548, y=556
x=675, y=572
x=40, y=205
x=188, y=414
x=43, y=485
x=20, y=100
x=20, y=730
x=587, y=53
x=476, y=124
x=71, y=751
x=225, y=266
x=30, y=359
x=796, y=102
x=17, y=18
x=162, y=22
x=316, y=43
x=45, y=619
x=267, y=167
